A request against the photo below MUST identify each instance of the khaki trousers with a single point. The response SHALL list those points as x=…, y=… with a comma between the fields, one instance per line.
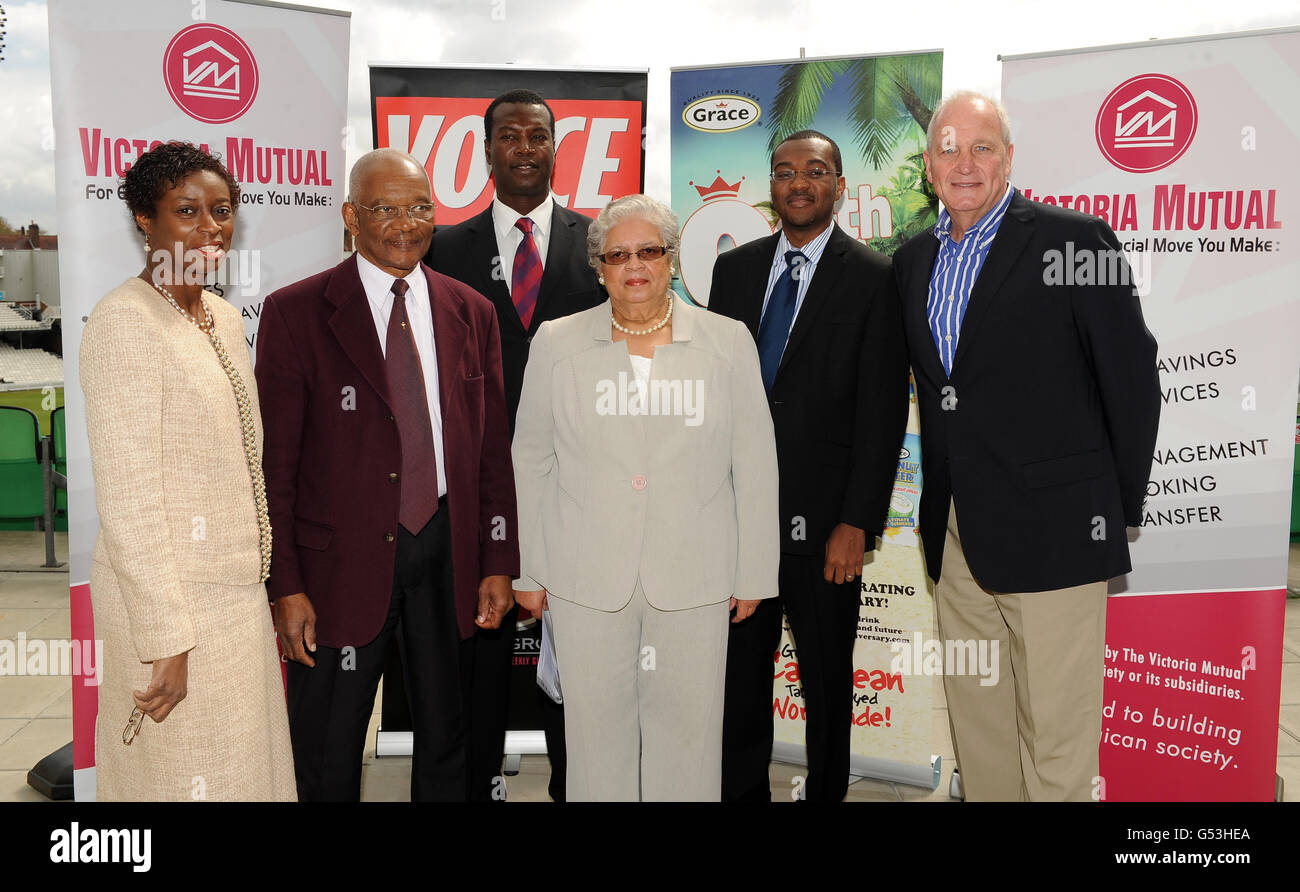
x=642, y=700
x=1035, y=734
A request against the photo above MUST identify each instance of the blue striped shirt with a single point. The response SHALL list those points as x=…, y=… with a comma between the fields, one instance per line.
x=955, y=271
x=813, y=251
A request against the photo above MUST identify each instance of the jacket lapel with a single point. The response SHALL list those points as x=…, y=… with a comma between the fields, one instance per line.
x=450, y=334
x=916, y=295
x=829, y=269
x=354, y=326
x=562, y=247
x=1008, y=244
x=490, y=272
x=754, y=288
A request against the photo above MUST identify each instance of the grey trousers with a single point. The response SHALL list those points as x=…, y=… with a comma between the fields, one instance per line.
x=642, y=700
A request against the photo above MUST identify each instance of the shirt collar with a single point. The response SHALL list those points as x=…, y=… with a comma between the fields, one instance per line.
x=812, y=250
x=943, y=227
x=504, y=218
x=379, y=284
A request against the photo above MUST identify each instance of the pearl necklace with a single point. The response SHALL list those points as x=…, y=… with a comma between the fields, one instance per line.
x=652, y=329
x=246, y=422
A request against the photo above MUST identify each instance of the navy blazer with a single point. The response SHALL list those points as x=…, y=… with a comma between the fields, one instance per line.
x=1045, y=440
x=839, y=400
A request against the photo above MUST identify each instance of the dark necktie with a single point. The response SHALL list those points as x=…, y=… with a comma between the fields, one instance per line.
x=774, y=330
x=407, y=397
x=526, y=278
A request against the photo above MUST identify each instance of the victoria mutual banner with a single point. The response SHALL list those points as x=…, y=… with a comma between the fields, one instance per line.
x=725, y=122
x=262, y=86
x=1188, y=149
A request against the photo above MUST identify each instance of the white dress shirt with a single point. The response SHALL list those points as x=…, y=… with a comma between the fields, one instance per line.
x=379, y=292
x=509, y=236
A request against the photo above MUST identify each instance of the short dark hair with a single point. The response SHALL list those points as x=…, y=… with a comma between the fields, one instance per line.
x=521, y=97
x=161, y=169
x=812, y=134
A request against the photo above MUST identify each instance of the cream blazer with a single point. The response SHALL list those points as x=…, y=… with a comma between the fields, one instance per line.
x=677, y=487
x=172, y=486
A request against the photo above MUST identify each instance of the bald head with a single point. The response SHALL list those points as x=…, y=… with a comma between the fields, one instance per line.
x=381, y=164
x=975, y=102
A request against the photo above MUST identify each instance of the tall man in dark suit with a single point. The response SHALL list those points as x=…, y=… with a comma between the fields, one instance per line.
x=390, y=487
x=1039, y=406
x=528, y=255
x=823, y=309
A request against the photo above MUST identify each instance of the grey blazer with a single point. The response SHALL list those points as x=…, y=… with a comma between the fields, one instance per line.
x=679, y=491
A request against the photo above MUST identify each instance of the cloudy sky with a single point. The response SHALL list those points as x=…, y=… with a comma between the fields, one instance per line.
x=654, y=35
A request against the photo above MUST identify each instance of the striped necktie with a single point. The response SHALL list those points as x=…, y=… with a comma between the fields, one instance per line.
x=526, y=278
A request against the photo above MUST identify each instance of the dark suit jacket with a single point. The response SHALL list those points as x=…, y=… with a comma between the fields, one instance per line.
x=331, y=446
x=468, y=253
x=1057, y=404
x=839, y=401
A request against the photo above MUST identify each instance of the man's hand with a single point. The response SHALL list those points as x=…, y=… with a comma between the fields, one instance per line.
x=744, y=609
x=167, y=687
x=494, y=600
x=295, y=623
x=844, y=551
x=534, y=602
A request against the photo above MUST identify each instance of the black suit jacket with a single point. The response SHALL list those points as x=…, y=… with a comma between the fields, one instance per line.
x=839, y=400
x=468, y=252
x=1057, y=405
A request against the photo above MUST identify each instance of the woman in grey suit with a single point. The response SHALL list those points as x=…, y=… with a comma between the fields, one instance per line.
x=646, y=473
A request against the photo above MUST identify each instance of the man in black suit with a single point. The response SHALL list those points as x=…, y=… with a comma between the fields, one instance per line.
x=824, y=311
x=1039, y=404
x=499, y=253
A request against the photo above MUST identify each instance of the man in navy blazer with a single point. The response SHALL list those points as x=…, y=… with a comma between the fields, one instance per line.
x=390, y=487
x=1039, y=403
x=835, y=369
x=484, y=253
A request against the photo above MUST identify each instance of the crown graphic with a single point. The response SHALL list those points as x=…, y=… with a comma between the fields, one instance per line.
x=719, y=188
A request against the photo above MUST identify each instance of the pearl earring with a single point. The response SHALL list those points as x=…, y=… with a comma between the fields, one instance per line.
x=600, y=279
x=147, y=249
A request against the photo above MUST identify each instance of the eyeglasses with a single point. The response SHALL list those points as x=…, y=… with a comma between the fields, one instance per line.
x=386, y=213
x=618, y=258
x=787, y=175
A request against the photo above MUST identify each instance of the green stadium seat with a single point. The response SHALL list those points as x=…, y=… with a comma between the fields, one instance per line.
x=22, y=484
x=59, y=431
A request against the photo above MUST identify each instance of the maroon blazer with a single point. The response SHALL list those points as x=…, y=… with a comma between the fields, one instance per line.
x=332, y=450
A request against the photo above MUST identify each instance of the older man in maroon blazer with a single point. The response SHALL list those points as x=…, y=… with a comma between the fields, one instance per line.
x=387, y=459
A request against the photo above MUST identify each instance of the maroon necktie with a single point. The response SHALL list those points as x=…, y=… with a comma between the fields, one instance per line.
x=526, y=278
x=419, y=481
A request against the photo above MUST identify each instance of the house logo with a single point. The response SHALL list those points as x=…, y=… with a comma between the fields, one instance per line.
x=210, y=73
x=721, y=113
x=1146, y=123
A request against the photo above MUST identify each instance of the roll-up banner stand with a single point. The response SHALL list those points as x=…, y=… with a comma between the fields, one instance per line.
x=262, y=85
x=1188, y=148
x=725, y=122
x=436, y=114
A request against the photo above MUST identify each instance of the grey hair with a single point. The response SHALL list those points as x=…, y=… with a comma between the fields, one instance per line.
x=633, y=207
x=967, y=96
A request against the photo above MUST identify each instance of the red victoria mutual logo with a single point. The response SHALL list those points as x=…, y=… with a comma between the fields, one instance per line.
x=1146, y=123
x=210, y=73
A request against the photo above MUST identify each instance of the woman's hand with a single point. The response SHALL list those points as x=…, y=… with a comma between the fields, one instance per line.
x=167, y=687
x=744, y=609
x=533, y=602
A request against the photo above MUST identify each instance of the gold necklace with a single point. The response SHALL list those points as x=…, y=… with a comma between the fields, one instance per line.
x=245, y=421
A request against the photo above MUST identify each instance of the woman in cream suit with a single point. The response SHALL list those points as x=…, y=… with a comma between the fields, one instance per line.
x=646, y=472
x=191, y=703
